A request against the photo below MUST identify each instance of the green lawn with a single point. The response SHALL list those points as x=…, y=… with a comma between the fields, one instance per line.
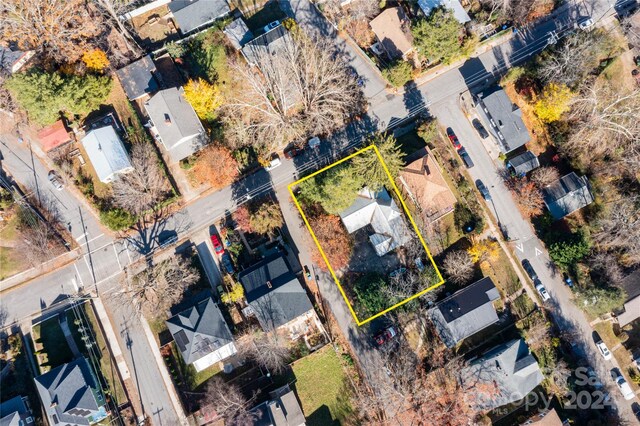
x=107, y=365
x=322, y=388
x=50, y=345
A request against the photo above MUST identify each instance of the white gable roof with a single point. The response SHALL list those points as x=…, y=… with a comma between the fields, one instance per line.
x=106, y=153
x=381, y=212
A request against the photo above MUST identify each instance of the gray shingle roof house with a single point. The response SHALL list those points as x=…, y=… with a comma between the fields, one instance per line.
x=465, y=312
x=282, y=409
x=138, y=78
x=70, y=394
x=274, y=293
x=175, y=123
x=265, y=45
x=505, y=374
x=453, y=5
x=106, y=153
x=631, y=310
x=503, y=118
x=14, y=412
x=238, y=33
x=381, y=212
x=524, y=163
x=191, y=15
x=202, y=335
x=566, y=195
x=11, y=60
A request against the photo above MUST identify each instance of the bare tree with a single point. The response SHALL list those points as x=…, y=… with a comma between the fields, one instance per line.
x=157, y=288
x=606, y=265
x=112, y=9
x=545, y=176
x=37, y=240
x=620, y=231
x=229, y=403
x=495, y=6
x=558, y=377
x=141, y=189
x=571, y=61
x=458, y=266
x=303, y=87
x=268, y=350
x=62, y=30
x=606, y=124
x=538, y=334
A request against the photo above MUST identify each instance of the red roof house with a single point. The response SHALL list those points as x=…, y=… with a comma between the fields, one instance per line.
x=53, y=136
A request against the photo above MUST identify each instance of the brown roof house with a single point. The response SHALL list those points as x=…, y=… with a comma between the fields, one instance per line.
x=391, y=28
x=423, y=182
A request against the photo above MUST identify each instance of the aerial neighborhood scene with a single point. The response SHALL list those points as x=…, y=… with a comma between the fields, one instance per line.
x=319, y=212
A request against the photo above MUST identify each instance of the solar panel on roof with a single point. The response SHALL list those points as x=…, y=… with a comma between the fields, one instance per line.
x=181, y=339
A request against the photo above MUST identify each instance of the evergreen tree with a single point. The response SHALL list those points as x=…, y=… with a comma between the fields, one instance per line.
x=368, y=164
x=45, y=95
x=437, y=37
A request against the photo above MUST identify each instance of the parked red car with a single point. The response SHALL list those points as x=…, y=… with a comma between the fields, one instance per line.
x=217, y=245
x=454, y=139
x=385, y=336
x=294, y=151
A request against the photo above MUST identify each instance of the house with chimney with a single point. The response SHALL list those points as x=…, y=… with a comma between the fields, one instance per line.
x=202, y=335
x=175, y=124
x=465, y=312
x=506, y=373
x=276, y=297
x=71, y=394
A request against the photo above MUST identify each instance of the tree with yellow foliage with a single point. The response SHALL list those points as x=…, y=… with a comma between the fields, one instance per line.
x=484, y=250
x=204, y=97
x=95, y=60
x=554, y=101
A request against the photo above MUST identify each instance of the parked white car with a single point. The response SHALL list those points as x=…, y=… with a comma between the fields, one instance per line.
x=606, y=354
x=625, y=389
x=273, y=164
x=314, y=142
x=586, y=24
x=543, y=292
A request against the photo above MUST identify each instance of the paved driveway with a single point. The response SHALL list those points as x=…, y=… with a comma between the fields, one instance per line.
x=527, y=246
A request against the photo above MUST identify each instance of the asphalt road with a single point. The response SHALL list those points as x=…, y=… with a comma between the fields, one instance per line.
x=527, y=246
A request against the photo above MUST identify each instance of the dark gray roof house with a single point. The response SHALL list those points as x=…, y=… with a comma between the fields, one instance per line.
x=465, y=312
x=282, y=409
x=238, y=33
x=631, y=310
x=70, y=394
x=265, y=45
x=568, y=194
x=503, y=118
x=138, y=78
x=202, y=335
x=11, y=60
x=273, y=292
x=524, y=163
x=191, y=15
x=505, y=374
x=14, y=412
x=175, y=123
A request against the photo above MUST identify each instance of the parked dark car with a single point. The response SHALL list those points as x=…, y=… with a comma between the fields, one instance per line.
x=529, y=269
x=294, y=151
x=480, y=128
x=227, y=263
x=468, y=162
x=484, y=191
x=454, y=139
x=385, y=336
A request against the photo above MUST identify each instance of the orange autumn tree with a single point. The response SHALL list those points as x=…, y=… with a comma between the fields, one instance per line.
x=216, y=166
x=335, y=241
x=527, y=195
x=95, y=60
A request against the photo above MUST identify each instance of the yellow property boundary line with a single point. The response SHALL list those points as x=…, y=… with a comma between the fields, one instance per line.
x=324, y=256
